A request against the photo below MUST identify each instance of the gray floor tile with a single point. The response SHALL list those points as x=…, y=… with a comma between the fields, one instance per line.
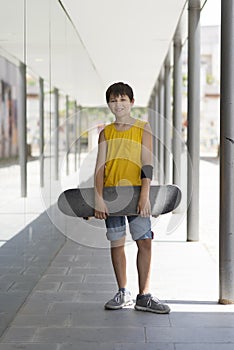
x=97, y=296
x=82, y=264
x=57, y=271
x=61, y=278
x=189, y=335
x=76, y=335
x=88, y=346
x=39, y=308
x=19, y=334
x=64, y=258
x=147, y=346
x=73, y=271
x=41, y=320
x=96, y=316
x=118, y=346
x=30, y=346
x=202, y=319
x=208, y=346
x=112, y=287
x=51, y=296
x=48, y=286
x=100, y=278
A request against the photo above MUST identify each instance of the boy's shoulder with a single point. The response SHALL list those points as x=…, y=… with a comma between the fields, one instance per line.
x=140, y=123
x=110, y=125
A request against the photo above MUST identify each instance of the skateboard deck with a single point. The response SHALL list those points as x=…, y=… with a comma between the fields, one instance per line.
x=120, y=200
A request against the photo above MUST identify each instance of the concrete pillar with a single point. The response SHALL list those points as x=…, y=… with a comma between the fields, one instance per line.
x=226, y=256
x=23, y=128
x=75, y=136
x=161, y=127
x=152, y=120
x=79, y=139
x=177, y=109
x=193, y=119
x=67, y=135
x=56, y=133
x=167, y=123
x=41, y=122
x=156, y=130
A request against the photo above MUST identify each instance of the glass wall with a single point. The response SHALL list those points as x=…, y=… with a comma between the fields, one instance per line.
x=60, y=133
x=39, y=35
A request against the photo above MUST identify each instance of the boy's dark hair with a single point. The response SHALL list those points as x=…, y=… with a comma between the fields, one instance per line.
x=119, y=89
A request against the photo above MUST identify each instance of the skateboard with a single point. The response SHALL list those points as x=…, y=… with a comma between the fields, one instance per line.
x=120, y=200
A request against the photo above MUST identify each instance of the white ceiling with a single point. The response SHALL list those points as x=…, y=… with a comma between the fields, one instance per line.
x=98, y=43
x=127, y=40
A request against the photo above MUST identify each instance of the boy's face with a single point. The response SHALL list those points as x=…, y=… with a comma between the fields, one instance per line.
x=120, y=105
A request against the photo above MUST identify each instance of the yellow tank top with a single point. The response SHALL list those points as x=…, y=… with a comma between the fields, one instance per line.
x=123, y=159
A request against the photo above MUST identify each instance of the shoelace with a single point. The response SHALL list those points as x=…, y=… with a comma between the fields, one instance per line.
x=117, y=296
x=151, y=298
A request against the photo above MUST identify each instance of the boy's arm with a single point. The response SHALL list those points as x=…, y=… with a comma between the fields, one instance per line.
x=101, y=210
x=144, y=208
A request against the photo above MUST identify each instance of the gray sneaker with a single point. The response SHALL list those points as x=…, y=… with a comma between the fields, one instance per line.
x=151, y=304
x=120, y=300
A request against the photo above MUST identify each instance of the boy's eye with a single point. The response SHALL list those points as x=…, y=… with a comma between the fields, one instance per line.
x=123, y=99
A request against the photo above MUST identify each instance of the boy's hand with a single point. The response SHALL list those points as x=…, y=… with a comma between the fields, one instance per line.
x=144, y=207
x=101, y=210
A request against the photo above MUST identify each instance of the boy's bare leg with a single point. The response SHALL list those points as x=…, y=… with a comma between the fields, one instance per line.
x=143, y=264
x=119, y=262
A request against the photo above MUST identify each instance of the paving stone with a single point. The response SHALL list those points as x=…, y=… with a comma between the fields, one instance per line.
x=73, y=271
x=75, y=249
x=96, y=316
x=57, y=271
x=4, y=286
x=45, y=320
x=76, y=335
x=82, y=264
x=51, y=296
x=29, y=346
x=93, y=259
x=147, y=346
x=50, y=286
x=10, y=301
x=19, y=334
x=14, y=270
x=117, y=346
x=100, y=278
x=66, y=308
x=202, y=319
x=112, y=287
x=189, y=335
x=64, y=258
x=94, y=296
x=23, y=286
x=202, y=346
x=19, y=277
x=61, y=278
x=88, y=346
x=34, y=269
x=32, y=307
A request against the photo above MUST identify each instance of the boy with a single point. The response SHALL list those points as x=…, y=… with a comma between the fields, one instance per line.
x=125, y=158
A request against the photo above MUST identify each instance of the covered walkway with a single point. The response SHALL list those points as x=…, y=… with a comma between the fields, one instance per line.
x=55, y=271
x=53, y=287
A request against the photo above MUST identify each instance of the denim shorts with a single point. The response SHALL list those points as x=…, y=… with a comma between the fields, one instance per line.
x=139, y=227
